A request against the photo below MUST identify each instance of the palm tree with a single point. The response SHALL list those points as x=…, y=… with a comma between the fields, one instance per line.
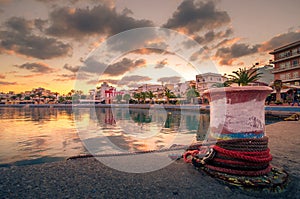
x=126, y=97
x=19, y=96
x=137, y=96
x=191, y=94
x=169, y=94
x=243, y=76
x=151, y=95
x=144, y=96
x=119, y=98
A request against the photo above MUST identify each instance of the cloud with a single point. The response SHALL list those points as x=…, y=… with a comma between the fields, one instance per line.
x=20, y=25
x=73, y=76
x=7, y=83
x=133, y=78
x=195, y=56
x=211, y=36
x=109, y=81
x=148, y=51
x=227, y=55
x=226, y=42
x=40, y=24
x=2, y=76
x=65, y=77
x=71, y=68
x=91, y=65
x=30, y=76
x=123, y=66
x=36, y=67
x=192, y=16
x=100, y=20
x=170, y=80
x=161, y=64
x=280, y=40
x=18, y=38
x=93, y=82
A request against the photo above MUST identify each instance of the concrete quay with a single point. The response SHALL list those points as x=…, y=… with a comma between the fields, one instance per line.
x=89, y=178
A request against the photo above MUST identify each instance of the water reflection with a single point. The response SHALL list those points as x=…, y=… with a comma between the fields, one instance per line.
x=128, y=129
x=35, y=135
x=42, y=134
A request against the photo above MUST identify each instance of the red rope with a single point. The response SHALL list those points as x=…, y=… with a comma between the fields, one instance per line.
x=259, y=157
x=247, y=157
x=188, y=156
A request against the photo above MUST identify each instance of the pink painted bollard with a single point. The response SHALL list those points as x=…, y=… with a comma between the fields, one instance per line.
x=237, y=112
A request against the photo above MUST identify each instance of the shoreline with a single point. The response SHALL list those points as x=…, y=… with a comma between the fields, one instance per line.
x=269, y=110
x=89, y=178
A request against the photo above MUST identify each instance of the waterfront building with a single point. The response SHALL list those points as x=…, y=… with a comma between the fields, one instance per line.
x=106, y=93
x=287, y=63
x=208, y=80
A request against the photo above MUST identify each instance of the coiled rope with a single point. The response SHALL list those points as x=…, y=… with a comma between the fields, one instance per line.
x=246, y=157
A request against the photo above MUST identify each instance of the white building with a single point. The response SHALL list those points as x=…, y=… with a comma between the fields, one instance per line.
x=207, y=80
x=106, y=93
x=181, y=88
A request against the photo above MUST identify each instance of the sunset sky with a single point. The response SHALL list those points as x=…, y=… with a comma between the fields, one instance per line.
x=62, y=45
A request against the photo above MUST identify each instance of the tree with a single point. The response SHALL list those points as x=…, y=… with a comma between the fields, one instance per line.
x=151, y=95
x=13, y=97
x=220, y=85
x=119, y=98
x=243, y=76
x=19, y=96
x=144, y=95
x=61, y=99
x=137, y=96
x=126, y=97
x=191, y=94
x=169, y=94
x=27, y=98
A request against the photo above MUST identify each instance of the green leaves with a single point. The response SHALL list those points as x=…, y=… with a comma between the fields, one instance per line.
x=244, y=76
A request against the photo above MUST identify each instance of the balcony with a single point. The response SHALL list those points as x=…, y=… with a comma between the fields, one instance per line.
x=278, y=70
x=292, y=56
x=292, y=79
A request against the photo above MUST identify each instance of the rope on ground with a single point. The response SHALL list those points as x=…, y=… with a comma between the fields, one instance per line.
x=174, y=147
x=248, y=157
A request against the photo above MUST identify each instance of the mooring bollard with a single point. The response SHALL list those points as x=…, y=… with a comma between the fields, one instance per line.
x=239, y=154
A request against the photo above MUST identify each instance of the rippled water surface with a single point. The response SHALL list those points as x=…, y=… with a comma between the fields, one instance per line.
x=37, y=135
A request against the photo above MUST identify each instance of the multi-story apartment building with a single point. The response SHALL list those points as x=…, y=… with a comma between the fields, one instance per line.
x=207, y=80
x=287, y=63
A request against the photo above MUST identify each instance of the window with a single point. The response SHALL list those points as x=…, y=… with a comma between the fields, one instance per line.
x=281, y=55
x=288, y=76
x=295, y=75
x=295, y=62
x=294, y=51
x=288, y=64
x=287, y=53
x=282, y=66
x=282, y=76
